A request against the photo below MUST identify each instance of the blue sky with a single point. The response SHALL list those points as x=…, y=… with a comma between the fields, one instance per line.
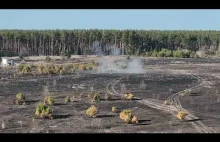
x=111, y=19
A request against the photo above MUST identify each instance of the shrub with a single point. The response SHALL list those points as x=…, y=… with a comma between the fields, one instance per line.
x=96, y=97
x=164, y=53
x=127, y=116
x=58, y=69
x=196, y=55
x=186, y=53
x=114, y=109
x=49, y=100
x=181, y=115
x=83, y=67
x=90, y=96
x=168, y=53
x=40, y=68
x=51, y=69
x=20, y=96
x=48, y=59
x=73, y=67
x=26, y=69
x=124, y=113
x=67, y=99
x=200, y=54
x=64, y=54
x=92, y=111
x=107, y=97
x=154, y=53
x=193, y=54
x=166, y=102
x=134, y=119
x=148, y=54
x=21, y=57
x=65, y=69
x=129, y=96
x=20, y=99
x=20, y=67
x=23, y=53
x=43, y=111
x=178, y=54
x=73, y=98
x=81, y=95
x=68, y=56
x=183, y=94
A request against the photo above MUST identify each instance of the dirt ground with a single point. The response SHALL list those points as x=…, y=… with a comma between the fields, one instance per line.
x=165, y=79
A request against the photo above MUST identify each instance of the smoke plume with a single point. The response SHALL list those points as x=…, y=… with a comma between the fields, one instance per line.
x=114, y=65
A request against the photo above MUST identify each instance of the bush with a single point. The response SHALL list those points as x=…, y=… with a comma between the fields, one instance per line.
x=92, y=111
x=94, y=98
x=67, y=99
x=23, y=53
x=40, y=68
x=187, y=53
x=68, y=56
x=181, y=115
x=50, y=69
x=58, y=68
x=114, y=109
x=43, y=111
x=148, y=54
x=160, y=54
x=21, y=57
x=20, y=99
x=20, y=67
x=107, y=97
x=201, y=54
x=217, y=53
x=26, y=69
x=48, y=59
x=83, y=67
x=134, y=119
x=127, y=116
x=64, y=54
x=196, y=56
x=166, y=102
x=20, y=96
x=128, y=96
x=49, y=100
x=192, y=54
x=164, y=53
x=178, y=54
x=154, y=53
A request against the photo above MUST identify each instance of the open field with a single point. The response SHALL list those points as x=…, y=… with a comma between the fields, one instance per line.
x=161, y=79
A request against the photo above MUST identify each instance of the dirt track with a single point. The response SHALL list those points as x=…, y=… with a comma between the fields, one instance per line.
x=199, y=75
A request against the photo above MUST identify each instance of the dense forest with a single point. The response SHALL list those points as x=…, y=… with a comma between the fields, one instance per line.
x=84, y=42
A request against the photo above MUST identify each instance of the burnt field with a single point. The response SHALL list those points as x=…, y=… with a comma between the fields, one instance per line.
x=162, y=79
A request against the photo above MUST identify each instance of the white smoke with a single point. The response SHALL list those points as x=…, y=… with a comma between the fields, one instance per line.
x=115, y=51
x=121, y=66
x=109, y=65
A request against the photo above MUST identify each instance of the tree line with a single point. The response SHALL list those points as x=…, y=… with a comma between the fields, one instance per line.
x=84, y=42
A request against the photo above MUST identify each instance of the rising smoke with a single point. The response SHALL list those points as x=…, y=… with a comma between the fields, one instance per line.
x=113, y=65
